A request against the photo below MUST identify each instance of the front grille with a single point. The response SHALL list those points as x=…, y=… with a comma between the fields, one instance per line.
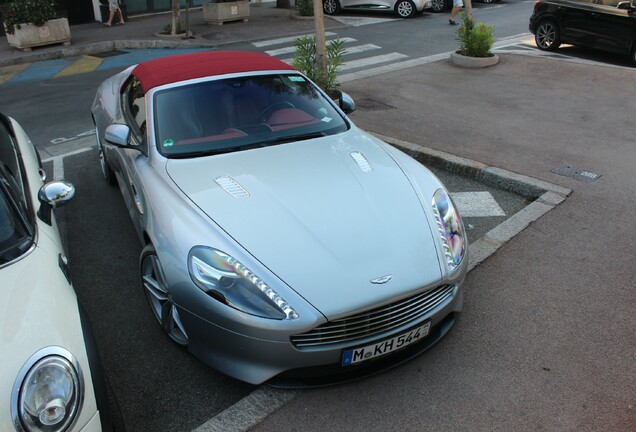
x=374, y=322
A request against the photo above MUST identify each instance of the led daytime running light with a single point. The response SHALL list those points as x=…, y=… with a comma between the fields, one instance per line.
x=450, y=228
x=246, y=273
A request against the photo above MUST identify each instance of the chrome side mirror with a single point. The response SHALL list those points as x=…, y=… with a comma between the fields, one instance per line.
x=346, y=103
x=118, y=135
x=53, y=195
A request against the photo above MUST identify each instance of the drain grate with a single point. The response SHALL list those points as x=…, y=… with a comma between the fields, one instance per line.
x=583, y=175
x=109, y=54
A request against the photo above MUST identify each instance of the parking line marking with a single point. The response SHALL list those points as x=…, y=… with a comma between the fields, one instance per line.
x=58, y=162
x=249, y=411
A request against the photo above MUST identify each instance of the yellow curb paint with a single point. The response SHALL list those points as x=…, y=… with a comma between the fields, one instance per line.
x=82, y=65
x=8, y=72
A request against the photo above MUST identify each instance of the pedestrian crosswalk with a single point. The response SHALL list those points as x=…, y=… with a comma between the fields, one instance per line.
x=356, y=55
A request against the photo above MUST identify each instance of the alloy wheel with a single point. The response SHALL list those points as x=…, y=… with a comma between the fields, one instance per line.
x=159, y=299
x=438, y=5
x=405, y=9
x=547, y=36
x=331, y=7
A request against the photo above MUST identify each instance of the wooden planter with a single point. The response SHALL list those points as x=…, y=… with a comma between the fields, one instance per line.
x=219, y=13
x=29, y=35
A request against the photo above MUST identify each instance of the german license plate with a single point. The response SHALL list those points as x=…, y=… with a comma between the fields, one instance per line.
x=357, y=355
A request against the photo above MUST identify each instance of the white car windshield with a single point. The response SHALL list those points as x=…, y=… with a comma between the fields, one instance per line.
x=234, y=114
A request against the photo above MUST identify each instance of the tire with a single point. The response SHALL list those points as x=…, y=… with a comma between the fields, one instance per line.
x=438, y=6
x=405, y=9
x=547, y=36
x=331, y=7
x=632, y=57
x=487, y=1
x=107, y=171
x=159, y=299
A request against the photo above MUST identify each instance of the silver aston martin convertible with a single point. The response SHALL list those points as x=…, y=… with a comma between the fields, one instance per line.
x=282, y=243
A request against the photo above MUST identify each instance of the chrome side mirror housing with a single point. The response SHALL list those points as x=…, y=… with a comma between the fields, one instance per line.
x=117, y=135
x=53, y=195
x=347, y=105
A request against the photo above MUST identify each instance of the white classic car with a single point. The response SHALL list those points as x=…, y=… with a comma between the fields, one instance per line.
x=51, y=375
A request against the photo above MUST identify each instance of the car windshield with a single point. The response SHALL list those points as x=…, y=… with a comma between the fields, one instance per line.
x=15, y=236
x=234, y=114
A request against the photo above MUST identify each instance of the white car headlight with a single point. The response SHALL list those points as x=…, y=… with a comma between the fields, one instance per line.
x=48, y=392
x=229, y=281
x=450, y=228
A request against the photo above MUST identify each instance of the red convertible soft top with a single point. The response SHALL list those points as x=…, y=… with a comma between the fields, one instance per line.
x=166, y=70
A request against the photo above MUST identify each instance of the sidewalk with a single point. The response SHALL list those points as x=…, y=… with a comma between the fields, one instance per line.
x=265, y=22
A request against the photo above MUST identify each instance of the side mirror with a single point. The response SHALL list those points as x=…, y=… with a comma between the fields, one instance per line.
x=53, y=195
x=346, y=103
x=118, y=135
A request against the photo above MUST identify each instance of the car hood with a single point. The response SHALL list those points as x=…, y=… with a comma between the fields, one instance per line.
x=345, y=232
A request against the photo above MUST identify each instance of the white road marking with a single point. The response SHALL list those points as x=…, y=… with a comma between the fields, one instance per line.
x=477, y=204
x=292, y=49
x=385, y=58
x=284, y=40
x=58, y=162
x=360, y=21
x=360, y=48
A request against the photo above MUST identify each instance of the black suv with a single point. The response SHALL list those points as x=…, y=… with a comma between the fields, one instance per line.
x=608, y=25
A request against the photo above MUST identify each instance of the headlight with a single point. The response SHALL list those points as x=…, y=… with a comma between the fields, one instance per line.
x=450, y=228
x=48, y=393
x=229, y=281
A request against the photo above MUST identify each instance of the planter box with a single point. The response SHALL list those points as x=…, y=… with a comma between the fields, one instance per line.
x=29, y=35
x=219, y=13
x=473, y=62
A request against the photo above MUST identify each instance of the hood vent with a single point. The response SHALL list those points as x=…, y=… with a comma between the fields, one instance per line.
x=362, y=162
x=230, y=186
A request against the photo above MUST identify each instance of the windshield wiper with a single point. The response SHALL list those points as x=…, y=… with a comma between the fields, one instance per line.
x=290, y=138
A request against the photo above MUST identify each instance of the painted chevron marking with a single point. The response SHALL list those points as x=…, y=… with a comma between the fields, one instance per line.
x=477, y=204
x=83, y=65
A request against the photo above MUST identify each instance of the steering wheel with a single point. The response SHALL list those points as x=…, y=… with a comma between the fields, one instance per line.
x=269, y=110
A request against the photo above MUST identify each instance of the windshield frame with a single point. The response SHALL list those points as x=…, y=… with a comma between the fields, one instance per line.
x=278, y=89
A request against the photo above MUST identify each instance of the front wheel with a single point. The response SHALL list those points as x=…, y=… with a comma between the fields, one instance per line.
x=633, y=56
x=331, y=7
x=547, y=36
x=438, y=6
x=107, y=171
x=405, y=8
x=156, y=290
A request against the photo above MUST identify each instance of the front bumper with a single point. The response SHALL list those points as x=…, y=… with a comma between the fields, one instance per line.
x=256, y=360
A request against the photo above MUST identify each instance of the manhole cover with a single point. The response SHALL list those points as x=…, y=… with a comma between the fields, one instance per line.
x=583, y=175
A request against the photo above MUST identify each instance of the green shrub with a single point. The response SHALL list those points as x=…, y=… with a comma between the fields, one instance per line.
x=305, y=61
x=306, y=7
x=475, y=40
x=19, y=12
x=167, y=29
